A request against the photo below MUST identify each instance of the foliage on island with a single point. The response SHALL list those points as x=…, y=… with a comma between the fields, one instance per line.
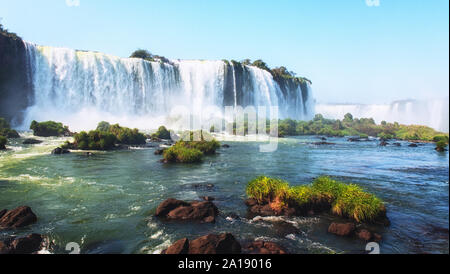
x=49, y=128
x=162, y=133
x=146, y=55
x=346, y=200
x=362, y=127
x=3, y=142
x=6, y=131
x=190, y=151
x=106, y=137
x=6, y=33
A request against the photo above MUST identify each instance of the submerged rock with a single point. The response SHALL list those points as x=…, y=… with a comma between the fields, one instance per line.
x=59, y=151
x=383, y=143
x=31, y=142
x=413, y=145
x=346, y=229
x=160, y=151
x=19, y=217
x=210, y=244
x=322, y=143
x=26, y=245
x=226, y=146
x=261, y=247
x=172, y=209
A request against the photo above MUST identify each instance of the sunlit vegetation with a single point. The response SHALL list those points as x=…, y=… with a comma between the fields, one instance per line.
x=49, y=128
x=162, y=133
x=190, y=151
x=345, y=200
x=362, y=127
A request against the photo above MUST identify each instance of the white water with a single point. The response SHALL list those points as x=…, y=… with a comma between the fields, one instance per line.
x=82, y=88
x=432, y=113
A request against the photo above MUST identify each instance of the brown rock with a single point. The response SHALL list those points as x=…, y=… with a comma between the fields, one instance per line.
x=168, y=205
x=19, y=217
x=179, y=247
x=364, y=234
x=215, y=244
x=251, y=202
x=3, y=212
x=208, y=198
x=27, y=245
x=342, y=229
x=261, y=247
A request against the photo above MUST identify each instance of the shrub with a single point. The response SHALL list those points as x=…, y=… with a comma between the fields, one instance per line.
x=103, y=126
x=346, y=200
x=3, y=142
x=49, y=128
x=162, y=133
x=441, y=145
x=142, y=54
x=208, y=148
x=439, y=138
x=94, y=140
x=179, y=153
x=265, y=189
x=6, y=131
x=127, y=136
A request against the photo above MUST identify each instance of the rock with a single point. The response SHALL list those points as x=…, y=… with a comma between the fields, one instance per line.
x=172, y=209
x=59, y=151
x=159, y=151
x=323, y=138
x=397, y=144
x=179, y=247
x=353, y=139
x=168, y=205
x=341, y=229
x=226, y=146
x=208, y=198
x=322, y=143
x=215, y=244
x=19, y=217
x=251, y=202
x=413, y=145
x=3, y=212
x=364, y=234
x=233, y=216
x=440, y=149
x=383, y=143
x=261, y=247
x=89, y=154
x=31, y=142
x=26, y=245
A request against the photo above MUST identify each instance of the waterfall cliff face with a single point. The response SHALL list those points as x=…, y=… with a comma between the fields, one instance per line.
x=82, y=88
x=432, y=113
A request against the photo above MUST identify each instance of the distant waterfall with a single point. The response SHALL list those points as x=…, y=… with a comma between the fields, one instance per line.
x=82, y=88
x=433, y=113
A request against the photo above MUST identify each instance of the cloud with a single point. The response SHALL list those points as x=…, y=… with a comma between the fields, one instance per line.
x=373, y=3
x=73, y=3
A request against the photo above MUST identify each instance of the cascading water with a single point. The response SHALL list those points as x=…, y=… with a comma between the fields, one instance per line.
x=433, y=113
x=81, y=88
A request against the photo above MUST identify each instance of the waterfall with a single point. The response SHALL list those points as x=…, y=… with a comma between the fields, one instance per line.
x=81, y=88
x=432, y=113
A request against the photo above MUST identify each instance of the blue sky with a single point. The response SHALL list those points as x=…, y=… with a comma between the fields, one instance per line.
x=351, y=51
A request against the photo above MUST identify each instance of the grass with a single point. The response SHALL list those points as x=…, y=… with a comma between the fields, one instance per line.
x=346, y=200
x=179, y=153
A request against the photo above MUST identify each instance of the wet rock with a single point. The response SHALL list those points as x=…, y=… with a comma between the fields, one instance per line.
x=31, y=142
x=353, y=139
x=323, y=138
x=412, y=145
x=168, y=205
x=59, y=151
x=233, y=216
x=251, y=202
x=179, y=247
x=261, y=247
x=3, y=212
x=364, y=234
x=172, y=209
x=19, y=217
x=322, y=143
x=342, y=229
x=383, y=143
x=215, y=244
x=284, y=228
x=397, y=144
x=160, y=151
x=208, y=198
x=26, y=245
x=226, y=146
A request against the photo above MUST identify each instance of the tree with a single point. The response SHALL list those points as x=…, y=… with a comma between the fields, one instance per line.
x=143, y=54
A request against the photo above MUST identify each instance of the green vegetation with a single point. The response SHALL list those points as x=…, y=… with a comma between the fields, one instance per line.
x=190, y=152
x=346, y=200
x=179, y=153
x=49, y=128
x=441, y=145
x=11, y=35
x=94, y=140
x=146, y=55
x=3, y=142
x=363, y=127
x=6, y=131
x=162, y=133
x=106, y=137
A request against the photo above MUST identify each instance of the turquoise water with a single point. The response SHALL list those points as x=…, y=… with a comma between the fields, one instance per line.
x=105, y=202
